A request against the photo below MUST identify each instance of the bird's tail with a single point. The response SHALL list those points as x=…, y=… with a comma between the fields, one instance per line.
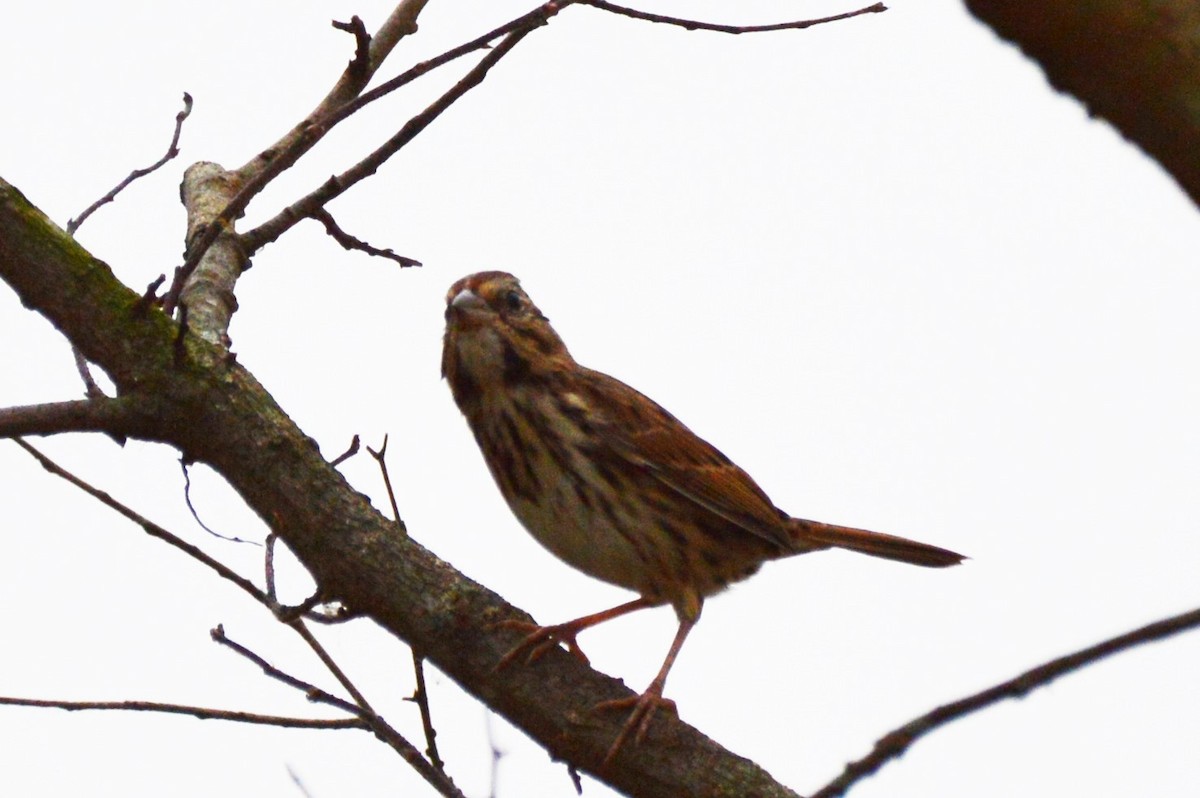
x=813, y=534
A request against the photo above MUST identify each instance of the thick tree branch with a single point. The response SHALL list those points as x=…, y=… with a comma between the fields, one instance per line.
x=107, y=415
x=1136, y=65
x=215, y=412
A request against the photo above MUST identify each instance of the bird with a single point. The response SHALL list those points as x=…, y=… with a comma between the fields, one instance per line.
x=614, y=485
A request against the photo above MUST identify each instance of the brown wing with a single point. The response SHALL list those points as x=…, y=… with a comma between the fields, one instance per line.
x=644, y=434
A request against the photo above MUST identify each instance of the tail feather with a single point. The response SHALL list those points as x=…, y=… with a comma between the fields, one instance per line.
x=814, y=534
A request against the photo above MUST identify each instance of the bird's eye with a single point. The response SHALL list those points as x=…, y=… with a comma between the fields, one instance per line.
x=513, y=301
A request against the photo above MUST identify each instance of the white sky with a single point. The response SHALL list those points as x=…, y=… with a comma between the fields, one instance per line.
x=879, y=263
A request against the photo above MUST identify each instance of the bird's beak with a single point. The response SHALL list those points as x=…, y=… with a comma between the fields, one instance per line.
x=467, y=309
x=467, y=300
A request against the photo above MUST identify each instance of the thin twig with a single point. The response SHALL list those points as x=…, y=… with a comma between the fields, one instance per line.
x=149, y=296
x=692, y=24
x=311, y=691
x=349, y=242
x=172, y=151
x=187, y=498
x=497, y=754
x=299, y=784
x=438, y=780
x=895, y=743
x=533, y=18
x=352, y=450
x=420, y=697
x=323, y=655
x=204, y=713
x=90, y=389
x=152, y=529
x=381, y=458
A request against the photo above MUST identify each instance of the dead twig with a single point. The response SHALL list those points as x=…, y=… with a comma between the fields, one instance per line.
x=437, y=779
x=420, y=697
x=204, y=713
x=346, y=455
x=360, y=66
x=151, y=528
x=381, y=458
x=172, y=151
x=895, y=743
x=693, y=24
x=187, y=498
x=349, y=242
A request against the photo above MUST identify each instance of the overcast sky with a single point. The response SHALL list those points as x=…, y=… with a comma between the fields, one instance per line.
x=879, y=263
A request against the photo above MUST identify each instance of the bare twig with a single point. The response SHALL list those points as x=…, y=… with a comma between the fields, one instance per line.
x=311, y=691
x=350, y=452
x=187, y=498
x=381, y=458
x=90, y=389
x=895, y=743
x=149, y=296
x=172, y=151
x=152, y=529
x=692, y=24
x=438, y=780
x=204, y=713
x=350, y=242
x=298, y=782
x=537, y=16
x=361, y=64
x=323, y=655
x=420, y=697
x=335, y=186
x=497, y=754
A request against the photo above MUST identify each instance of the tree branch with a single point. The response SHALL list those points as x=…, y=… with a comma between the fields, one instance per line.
x=349, y=242
x=436, y=778
x=107, y=415
x=1136, y=65
x=307, y=206
x=150, y=528
x=217, y=413
x=224, y=206
x=204, y=713
x=172, y=151
x=893, y=744
x=692, y=24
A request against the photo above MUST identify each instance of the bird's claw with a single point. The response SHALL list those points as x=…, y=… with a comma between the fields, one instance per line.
x=539, y=640
x=638, y=722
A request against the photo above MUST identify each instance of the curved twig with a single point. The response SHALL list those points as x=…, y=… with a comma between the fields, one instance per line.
x=895, y=743
x=693, y=24
x=172, y=151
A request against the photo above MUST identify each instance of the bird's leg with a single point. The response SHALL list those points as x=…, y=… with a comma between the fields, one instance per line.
x=540, y=639
x=645, y=705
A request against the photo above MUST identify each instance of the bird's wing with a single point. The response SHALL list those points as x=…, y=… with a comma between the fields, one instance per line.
x=644, y=434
